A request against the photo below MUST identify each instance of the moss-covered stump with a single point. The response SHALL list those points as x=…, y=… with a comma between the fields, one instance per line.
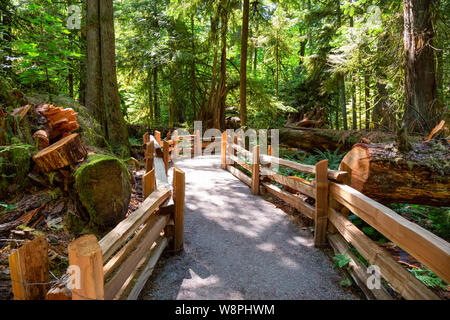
x=104, y=189
x=15, y=161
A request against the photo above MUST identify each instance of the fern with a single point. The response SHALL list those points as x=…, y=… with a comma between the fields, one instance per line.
x=428, y=278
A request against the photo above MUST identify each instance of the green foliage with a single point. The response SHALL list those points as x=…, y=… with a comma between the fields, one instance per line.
x=427, y=277
x=341, y=260
x=435, y=219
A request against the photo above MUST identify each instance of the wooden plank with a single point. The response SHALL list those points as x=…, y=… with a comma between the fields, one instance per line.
x=178, y=217
x=399, y=278
x=223, y=150
x=423, y=245
x=115, y=238
x=197, y=144
x=114, y=263
x=166, y=155
x=175, y=139
x=116, y=283
x=86, y=254
x=157, y=135
x=320, y=219
x=240, y=175
x=305, y=208
x=255, y=170
x=148, y=183
x=142, y=278
x=160, y=174
x=357, y=270
x=336, y=175
x=29, y=264
x=149, y=156
x=241, y=150
x=292, y=183
x=241, y=162
x=145, y=138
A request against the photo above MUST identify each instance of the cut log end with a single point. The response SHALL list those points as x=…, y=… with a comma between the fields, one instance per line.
x=381, y=172
x=64, y=152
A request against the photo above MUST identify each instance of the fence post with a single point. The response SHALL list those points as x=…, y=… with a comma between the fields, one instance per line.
x=158, y=137
x=178, y=199
x=255, y=170
x=321, y=213
x=148, y=183
x=145, y=138
x=149, y=155
x=223, y=150
x=86, y=254
x=166, y=155
x=175, y=144
x=29, y=264
x=198, y=144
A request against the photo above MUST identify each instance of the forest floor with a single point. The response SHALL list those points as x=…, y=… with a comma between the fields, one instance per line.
x=239, y=246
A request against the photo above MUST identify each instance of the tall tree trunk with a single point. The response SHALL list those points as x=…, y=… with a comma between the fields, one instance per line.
x=155, y=91
x=102, y=96
x=422, y=110
x=243, y=72
x=94, y=96
x=367, y=98
x=343, y=103
x=82, y=67
x=194, y=100
x=341, y=76
x=354, y=117
x=221, y=93
x=309, y=32
x=337, y=110
x=150, y=97
x=116, y=127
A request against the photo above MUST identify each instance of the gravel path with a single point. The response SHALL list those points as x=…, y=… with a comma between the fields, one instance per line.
x=239, y=246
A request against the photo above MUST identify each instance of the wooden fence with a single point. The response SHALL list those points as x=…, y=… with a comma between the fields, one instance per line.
x=117, y=266
x=333, y=201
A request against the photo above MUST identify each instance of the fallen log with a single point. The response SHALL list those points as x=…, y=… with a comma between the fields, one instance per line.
x=309, y=139
x=381, y=172
x=64, y=152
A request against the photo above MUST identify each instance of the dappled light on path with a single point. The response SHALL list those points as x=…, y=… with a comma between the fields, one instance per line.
x=239, y=246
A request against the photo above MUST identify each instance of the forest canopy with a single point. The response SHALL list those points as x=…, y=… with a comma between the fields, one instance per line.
x=180, y=61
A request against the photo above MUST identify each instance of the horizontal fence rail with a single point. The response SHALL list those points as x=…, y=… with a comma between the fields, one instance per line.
x=332, y=195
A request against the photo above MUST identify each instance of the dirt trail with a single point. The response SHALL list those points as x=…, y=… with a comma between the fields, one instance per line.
x=239, y=246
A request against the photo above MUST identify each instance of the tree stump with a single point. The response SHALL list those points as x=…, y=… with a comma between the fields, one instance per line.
x=62, y=153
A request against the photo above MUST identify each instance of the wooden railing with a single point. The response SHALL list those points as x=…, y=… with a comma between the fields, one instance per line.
x=119, y=265
x=333, y=201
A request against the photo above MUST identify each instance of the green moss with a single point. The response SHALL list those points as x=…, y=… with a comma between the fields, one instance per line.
x=74, y=224
x=15, y=162
x=83, y=178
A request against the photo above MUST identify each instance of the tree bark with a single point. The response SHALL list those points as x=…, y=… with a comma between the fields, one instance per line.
x=194, y=100
x=116, y=129
x=366, y=98
x=309, y=139
x=422, y=110
x=243, y=72
x=94, y=98
x=382, y=173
